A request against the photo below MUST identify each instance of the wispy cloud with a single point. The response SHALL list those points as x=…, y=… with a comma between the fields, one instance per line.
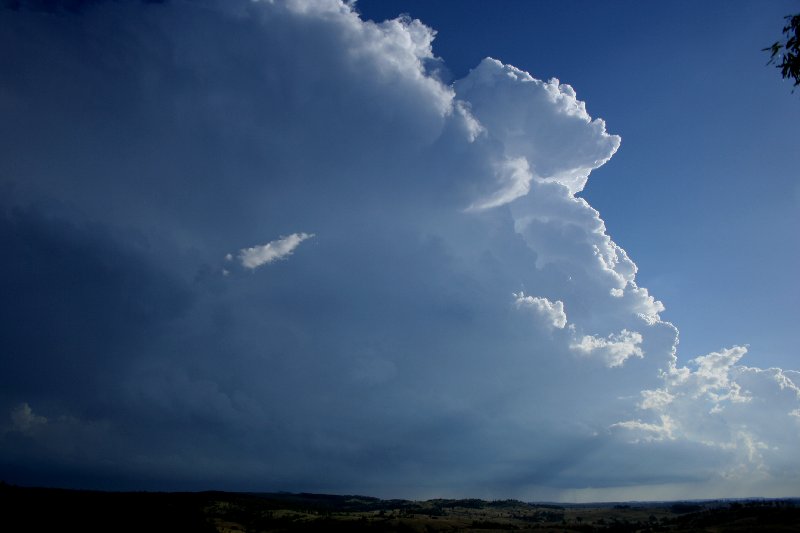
x=276, y=250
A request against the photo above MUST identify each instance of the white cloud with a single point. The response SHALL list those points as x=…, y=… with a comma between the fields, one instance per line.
x=275, y=250
x=552, y=312
x=745, y=412
x=24, y=420
x=614, y=349
x=649, y=431
x=712, y=379
x=655, y=399
x=513, y=177
x=517, y=110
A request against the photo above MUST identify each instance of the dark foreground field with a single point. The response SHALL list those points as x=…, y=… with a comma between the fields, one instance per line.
x=37, y=509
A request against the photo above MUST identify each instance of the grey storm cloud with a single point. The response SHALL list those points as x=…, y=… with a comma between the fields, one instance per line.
x=460, y=324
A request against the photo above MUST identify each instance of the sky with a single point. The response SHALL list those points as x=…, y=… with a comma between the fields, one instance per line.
x=531, y=250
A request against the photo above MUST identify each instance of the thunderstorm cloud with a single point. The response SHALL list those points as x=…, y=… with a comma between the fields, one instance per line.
x=396, y=354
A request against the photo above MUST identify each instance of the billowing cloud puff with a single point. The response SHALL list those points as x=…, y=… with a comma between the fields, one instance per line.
x=728, y=408
x=614, y=349
x=24, y=420
x=387, y=358
x=552, y=312
x=516, y=110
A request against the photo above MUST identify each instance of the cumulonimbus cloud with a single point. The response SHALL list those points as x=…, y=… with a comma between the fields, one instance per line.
x=391, y=362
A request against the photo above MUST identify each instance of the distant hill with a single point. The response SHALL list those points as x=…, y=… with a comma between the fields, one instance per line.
x=47, y=509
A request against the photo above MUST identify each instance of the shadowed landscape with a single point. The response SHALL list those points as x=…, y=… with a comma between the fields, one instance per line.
x=43, y=509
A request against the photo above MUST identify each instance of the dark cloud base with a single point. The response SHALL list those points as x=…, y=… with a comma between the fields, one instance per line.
x=74, y=6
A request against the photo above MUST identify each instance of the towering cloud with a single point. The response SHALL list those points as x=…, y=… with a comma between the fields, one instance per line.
x=398, y=353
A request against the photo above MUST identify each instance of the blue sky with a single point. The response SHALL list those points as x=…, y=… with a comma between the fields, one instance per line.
x=306, y=246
